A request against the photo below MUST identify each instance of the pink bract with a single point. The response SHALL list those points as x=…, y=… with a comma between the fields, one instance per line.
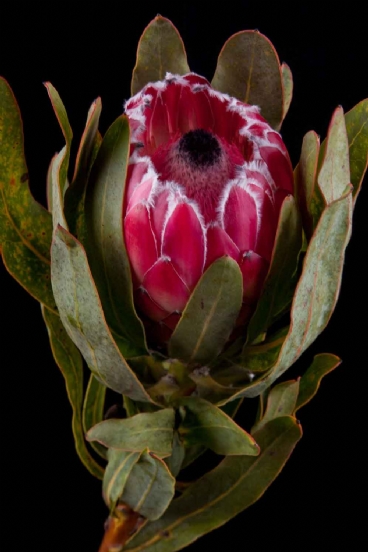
x=207, y=177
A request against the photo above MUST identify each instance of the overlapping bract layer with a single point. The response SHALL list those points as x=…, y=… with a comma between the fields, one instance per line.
x=207, y=178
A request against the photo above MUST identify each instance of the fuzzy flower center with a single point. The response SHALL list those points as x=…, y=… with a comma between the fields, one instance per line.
x=200, y=148
x=200, y=162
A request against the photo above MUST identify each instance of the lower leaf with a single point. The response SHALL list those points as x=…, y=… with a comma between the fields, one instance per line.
x=69, y=360
x=222, y=493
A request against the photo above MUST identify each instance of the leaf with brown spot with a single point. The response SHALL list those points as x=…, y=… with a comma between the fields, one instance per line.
x=25, y=226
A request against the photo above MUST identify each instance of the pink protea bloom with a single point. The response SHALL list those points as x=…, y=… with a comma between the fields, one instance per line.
x=207, y=177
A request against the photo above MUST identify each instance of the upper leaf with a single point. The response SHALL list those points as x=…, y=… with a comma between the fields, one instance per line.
x=287, y=88
x=75, y=194
x=334, y=173
x=309, y=197
x=356, y=121
x=160, y=50
x=62, y=117
x=248, y=68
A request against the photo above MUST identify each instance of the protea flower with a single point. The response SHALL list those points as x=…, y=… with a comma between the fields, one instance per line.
x=207, y=178
x=194, y=189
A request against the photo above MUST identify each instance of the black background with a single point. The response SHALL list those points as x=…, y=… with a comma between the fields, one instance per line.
x=50, y=502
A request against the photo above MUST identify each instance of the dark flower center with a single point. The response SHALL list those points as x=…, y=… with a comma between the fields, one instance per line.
x=200, y=148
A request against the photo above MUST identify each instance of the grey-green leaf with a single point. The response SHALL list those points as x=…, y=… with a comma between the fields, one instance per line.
x=152, y=431
x=279, y=285
x=356, y=121
x=116, y=474
x=75, y=194
x=309, y=197
x=248, y=69
x=105, y=245
x=317, y=290
x=222, y=493
x=210, y=314
x=160, y=50
x=334, y=173
x=206, y=424
x=175, y=461
x=281, y=401
x=93, y=409
x=81, y=313
x=57, y=190
x=309, y=384
x=287, y=88
x=150, y=487
x=69, y=360
x=62, y=117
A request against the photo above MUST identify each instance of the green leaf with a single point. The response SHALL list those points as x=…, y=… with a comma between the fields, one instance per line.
x=334, y=172
x=87, y=152
x=150, y=487
x=287, y=88
x=192, y=453
x=175, y=461
x=248, y=69
x=230, y=488
x=160, y=50
x=310, y=200
x=356, y=121
x=81, y=313
x=153, y=430
x=57, y=201
x=210, y=389
x=210, y=314
x=259, y=358
x=279, y=286
x=69, y=360
x=62, y=117
x=25, y=226
x=281, y=401
x=105, y=246
x=317, y=291
x=93, y=409
x=116, y=475
x=131, y=408
x=309, y=384
x=205, y=424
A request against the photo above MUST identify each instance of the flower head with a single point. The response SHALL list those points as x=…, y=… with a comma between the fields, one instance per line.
x=207, y=178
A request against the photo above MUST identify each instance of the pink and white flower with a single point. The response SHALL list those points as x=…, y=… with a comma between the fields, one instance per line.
x=207, y=177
